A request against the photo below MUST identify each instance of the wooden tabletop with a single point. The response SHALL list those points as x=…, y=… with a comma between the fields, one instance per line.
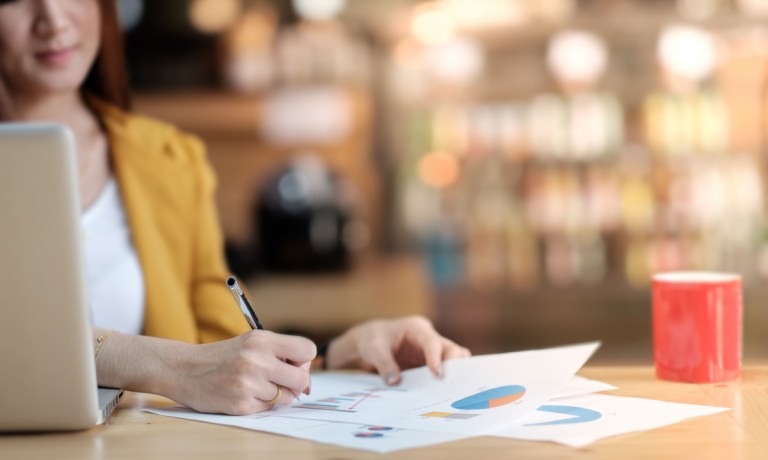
x=132, y=434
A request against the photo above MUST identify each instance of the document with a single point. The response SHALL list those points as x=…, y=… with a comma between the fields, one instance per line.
x=372, y=438
x=581, y=420
x=576, y=416
x=579, y=385
x=476, y=394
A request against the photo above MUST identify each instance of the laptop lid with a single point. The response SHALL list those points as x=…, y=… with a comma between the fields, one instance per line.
x=47, y=368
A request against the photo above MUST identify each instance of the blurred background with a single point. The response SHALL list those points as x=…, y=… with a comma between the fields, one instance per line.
x=514, y=169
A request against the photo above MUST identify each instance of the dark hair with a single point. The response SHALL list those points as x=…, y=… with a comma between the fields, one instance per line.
x=107, y=79
x=6, y=109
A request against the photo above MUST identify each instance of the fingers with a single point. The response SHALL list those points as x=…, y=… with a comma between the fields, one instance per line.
x=421, y=331
x=453, y=351
x=435, y=347
x=272, y=394
x=307, y=367
x=379, y=355
x=294, y=379
x=280, y=361
x=269, y=395
x=432, y=346
x=291, y=348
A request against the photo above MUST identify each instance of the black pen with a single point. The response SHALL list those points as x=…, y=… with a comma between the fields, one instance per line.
x=248, y=312
x=243, y=303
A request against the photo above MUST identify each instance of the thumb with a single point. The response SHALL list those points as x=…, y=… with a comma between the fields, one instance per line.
x=381, y=357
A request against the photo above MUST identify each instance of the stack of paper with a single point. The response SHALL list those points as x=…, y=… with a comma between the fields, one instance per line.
x=531, y=395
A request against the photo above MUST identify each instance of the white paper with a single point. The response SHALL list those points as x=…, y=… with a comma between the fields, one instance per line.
x=524, y=380
x=364, y=437
x=476, y=395
x=573, y=421
x=378, y=439
x=582, y=420
x=579, y=385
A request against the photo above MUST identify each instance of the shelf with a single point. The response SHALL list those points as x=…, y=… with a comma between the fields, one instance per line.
x=228, y=124
x=328, y=304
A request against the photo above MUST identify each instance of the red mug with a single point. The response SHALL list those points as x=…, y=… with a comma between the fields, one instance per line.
x=697, y=324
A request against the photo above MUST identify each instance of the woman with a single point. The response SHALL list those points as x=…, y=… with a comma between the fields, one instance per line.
x=164, y=321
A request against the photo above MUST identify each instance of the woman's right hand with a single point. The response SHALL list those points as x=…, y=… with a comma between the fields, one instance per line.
x=238, y=376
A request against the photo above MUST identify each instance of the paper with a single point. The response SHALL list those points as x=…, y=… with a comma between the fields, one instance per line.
x=582, y=420
x=572, y=420
x=476, y=395
x=579, y=385
x=380, y=439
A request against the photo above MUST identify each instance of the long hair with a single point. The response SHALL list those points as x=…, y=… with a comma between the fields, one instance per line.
x=107, y=77
x=6, y=108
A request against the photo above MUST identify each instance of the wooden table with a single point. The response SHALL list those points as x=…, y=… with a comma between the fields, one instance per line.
x=132, y=434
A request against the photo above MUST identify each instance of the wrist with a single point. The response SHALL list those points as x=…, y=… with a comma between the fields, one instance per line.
x=173, y=369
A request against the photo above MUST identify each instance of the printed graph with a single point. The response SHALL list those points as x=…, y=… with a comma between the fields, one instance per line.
x=578, y=415
x=347, y=402
x=450, y=415
x=488, y=399
x=374, y=432
x=370, y=435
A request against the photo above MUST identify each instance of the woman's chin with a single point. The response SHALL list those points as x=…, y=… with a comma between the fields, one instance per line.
x=64, y=82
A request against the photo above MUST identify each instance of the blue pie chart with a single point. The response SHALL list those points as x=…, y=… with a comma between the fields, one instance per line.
x=488, y=399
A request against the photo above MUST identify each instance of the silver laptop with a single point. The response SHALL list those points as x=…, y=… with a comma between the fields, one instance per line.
x=47, y=367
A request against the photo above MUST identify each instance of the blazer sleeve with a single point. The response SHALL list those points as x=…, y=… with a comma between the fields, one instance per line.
x=215, y=312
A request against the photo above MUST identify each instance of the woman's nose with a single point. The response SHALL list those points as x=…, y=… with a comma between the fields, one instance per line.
x=51, y=17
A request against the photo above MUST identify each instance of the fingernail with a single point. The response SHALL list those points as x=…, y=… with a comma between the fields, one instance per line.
x=440, y=371
x=392, y=378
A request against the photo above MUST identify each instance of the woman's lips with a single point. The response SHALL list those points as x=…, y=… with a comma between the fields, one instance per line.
x=55, y=58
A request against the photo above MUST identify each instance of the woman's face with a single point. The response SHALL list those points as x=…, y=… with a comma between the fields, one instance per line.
x=47, y=46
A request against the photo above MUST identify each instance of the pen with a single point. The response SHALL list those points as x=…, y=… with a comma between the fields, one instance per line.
x=248, y=312
x=243, y=303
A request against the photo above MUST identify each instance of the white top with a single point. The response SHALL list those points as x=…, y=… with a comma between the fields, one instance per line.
x=113, y=276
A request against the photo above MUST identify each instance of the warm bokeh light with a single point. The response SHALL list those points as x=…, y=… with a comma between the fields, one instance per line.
x=687, y=51
x=697, y=10
x=319, y=10
x=552, y=10
x=432, y=25
x=439, y=169
x=757, y=8
x=255, y=29
x=214, y=16
x=459, y=61
x=493, y=14
x=408, y=54
x=577, y=56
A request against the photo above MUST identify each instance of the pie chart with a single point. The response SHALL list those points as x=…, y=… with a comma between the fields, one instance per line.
x=488, y=399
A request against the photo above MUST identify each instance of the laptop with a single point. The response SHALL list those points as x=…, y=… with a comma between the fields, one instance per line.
x=47, y=366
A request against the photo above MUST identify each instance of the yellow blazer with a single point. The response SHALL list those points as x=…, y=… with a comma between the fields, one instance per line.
x=168, y=187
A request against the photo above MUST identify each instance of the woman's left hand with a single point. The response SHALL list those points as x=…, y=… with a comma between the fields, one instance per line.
x=390, y=346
